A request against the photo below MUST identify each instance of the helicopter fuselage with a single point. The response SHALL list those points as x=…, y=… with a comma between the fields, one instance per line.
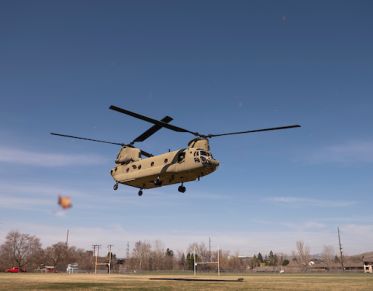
x=174, y=167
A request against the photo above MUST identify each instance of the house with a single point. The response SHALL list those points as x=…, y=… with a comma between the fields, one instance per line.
x=368, y=264
x=46, y=269
x=72, y=268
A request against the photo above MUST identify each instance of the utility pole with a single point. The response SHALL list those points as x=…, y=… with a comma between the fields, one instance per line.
x=128, y=250
x=109, y=252
x=210, y=249
x=67, y=238
x=340, y=249
x=218, y=261
x=96, y=254
x=194, y=261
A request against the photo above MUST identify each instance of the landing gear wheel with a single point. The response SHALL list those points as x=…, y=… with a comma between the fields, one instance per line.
x=140, y=192
x=181, y=189
x=115, y=187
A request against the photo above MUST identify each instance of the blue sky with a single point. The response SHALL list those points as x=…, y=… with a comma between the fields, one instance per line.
x=214, y=66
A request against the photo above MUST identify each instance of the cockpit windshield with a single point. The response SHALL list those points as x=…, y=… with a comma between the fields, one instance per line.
x=205, y=154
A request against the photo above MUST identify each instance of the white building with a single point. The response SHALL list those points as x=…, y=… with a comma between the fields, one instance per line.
x=368, y=264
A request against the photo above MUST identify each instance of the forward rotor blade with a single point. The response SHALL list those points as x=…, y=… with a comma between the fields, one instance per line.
x=152, y=120
x=151, y=130
x=255, y=130
x=85, y=138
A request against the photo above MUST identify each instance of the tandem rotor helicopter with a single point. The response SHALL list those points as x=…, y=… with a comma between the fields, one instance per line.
x=137, y=168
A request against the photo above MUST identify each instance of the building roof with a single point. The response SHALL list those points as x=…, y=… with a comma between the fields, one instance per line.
x=368, y=259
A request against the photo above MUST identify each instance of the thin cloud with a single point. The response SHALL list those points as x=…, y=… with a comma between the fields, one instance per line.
x=7, y=188
x=346, y=153
x=358, y=229
x=23, y=203
x=31, y=196
x=309, y=202
x=31, y=158
x=295, y=226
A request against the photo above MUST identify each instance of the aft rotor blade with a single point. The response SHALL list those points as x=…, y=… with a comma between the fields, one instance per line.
x=144, y=153
x=255, y=130
x=85, y=138
x=151, y=130
x=151, y=120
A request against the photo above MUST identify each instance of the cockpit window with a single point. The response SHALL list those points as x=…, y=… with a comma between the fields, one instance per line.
x=203, y=153
x=181, y=157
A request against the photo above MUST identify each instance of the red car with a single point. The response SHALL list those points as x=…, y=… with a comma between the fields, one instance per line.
x=14, y=270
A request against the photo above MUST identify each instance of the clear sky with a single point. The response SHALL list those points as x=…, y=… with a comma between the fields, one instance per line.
x=214, y=66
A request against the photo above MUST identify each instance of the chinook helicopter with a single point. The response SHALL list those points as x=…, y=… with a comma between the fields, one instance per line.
x=137, y=168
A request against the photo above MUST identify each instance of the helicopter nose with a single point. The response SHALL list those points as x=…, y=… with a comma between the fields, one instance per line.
x=214, y=163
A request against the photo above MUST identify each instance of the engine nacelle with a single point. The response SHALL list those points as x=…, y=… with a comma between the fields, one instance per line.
x=127, y=154
x=199, y=143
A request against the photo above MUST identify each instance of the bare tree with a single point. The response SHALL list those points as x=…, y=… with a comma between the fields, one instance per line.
x=302, y=254
x=201, y=250
x=327, y=256
x=158, y=256
x=21, y=250
x=57, y=255
x=142, y=255
x=181, y=260
x=232, y=262
x=169, y=259
x=82, y=257
x=202, y=254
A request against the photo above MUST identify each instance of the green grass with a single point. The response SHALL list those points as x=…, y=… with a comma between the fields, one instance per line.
x=24, y=281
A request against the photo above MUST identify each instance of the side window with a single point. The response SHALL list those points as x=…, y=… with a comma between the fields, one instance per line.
x=181, y=157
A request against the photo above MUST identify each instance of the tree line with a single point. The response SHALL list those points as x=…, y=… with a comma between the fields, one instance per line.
x=26, y=252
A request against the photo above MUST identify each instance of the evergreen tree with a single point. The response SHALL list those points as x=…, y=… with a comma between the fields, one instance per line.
x=285, y=262
x=271, y=259
x=183, y=264
x=260, y=258
x=190, y=261
x=169, y=253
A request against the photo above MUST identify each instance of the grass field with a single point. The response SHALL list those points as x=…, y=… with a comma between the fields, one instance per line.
x=24, y=281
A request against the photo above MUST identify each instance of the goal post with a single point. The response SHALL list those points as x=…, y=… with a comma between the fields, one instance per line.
x=195, y=263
